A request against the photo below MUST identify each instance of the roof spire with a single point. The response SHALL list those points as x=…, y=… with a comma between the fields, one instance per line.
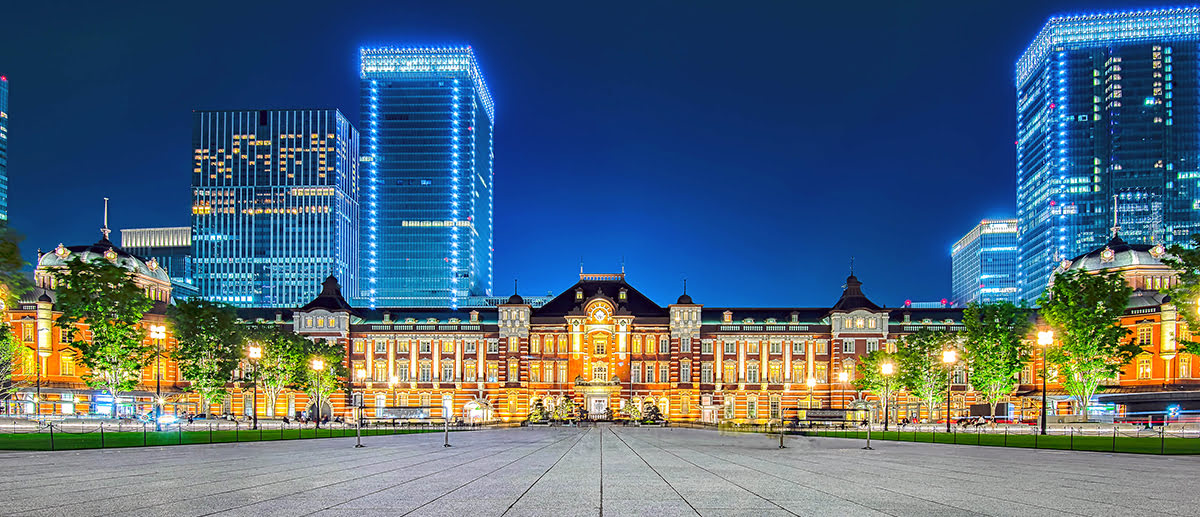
x=685, y=285
x=514, y=286
x=104, y=230
x=1115, y=228
x=581, y=264
x=622, y=264
x=851, y=265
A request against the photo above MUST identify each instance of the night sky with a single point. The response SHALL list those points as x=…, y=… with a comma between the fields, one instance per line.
x=751, y=147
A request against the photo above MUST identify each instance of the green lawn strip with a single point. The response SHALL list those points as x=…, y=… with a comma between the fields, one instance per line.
x=94, y=440
x=1099, y=443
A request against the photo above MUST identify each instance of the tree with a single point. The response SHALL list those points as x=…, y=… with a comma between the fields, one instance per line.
x=565, y=409
x=870, y=373
x=284, y=360
x=538, y=412
x=324, y=382
x=105, y=297
x=1085, y=310
x=632, y=411
x=13, y=283
x=920, y=365
x=1186, y=294
x=208, y=346
x=996, y=345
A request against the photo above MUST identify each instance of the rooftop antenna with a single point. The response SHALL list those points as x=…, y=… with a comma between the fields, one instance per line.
x=622, y=264
x=581, y=264
x=851, y=265
x=1115, y=228
x=105, y=231
x=685, y=286
x=514, y=286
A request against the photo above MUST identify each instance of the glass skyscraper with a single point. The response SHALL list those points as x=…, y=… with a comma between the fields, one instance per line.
x=984, y=263
x=170, y=248
x=3, y=148
x=427, y=120
x=1108, y=118
x=274, y=205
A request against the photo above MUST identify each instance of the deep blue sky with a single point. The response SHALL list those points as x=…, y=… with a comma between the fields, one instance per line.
x=752, y=147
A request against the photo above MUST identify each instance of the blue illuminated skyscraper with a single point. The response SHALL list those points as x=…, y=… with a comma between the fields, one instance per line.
x=984, y=263
x=274, y=205
x=427, y=164
x=3, y=148
x=1108, y=113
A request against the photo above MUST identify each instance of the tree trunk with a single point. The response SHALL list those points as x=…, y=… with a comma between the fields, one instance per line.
x=114, y=403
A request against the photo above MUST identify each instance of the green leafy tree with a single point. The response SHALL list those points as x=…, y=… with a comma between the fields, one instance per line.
x=283, y=363
x=104, y=297
x=209, y=344
x=324, y=382
x=1186, y=293
x=996, y=345
x=13, y=283
x=920, y=368
x=538, y=412
x=565, y=409
x=870, y=373
x=632, y=411
x=1085, y=310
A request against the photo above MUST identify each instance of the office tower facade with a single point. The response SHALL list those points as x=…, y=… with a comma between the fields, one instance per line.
x=3, y=148
x=984, y=264
x=1108, y=129
x=274, y=204
x=169, y=248
x=427, y=120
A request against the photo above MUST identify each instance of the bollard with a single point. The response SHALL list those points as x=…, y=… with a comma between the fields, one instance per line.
x=101, y=435
x=447, y=432
x=52, y=436
x=1006, y=436
x=1114, y=447
x=1162, y=433
x=143, y=434
x=1071, y=444
x=210, y=432
x=179, y=431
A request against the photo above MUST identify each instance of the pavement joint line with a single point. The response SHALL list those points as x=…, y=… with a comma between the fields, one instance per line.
x=332, y=468
x=656, y=472
x=481, y=476
x=543, y=474
x=456, y=454
x=125, y=495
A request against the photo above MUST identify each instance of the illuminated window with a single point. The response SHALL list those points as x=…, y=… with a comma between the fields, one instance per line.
x=752, y=347
x=535, y=372
x=637, y=344
x=535, y=344
x=514, y=368
x=1143, y=368
x=380, y=371
x=447, y=346
x=729, y=372
x=600, y=372
x=358, y=346
x=1145, y=335
x=798, y=372
x=822, y=347
x=469, y=371
x=402, y=347
x=822, y=373
x=492, y=371
x=66, y=365
x=1185, y=366
x=651, y=342
x=775, y=373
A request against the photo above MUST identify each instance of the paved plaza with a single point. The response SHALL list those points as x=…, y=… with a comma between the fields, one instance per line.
x=593, y=471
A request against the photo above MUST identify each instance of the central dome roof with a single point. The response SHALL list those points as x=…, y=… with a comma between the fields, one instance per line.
x=104, y=250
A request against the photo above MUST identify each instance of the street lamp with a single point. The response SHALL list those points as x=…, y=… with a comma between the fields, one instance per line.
x=1045, y=339
x=255, y=353
x=318, y=366
x=886, y=369
x=842, y=378
x=157, y=333
x=949, y=357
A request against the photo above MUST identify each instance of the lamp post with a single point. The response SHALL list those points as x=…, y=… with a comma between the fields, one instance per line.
x=255, y=353
x=842, y=378
x=1045, y=339
x=318, y=365
x=157, y=333
x=886, y=369
x=949, y=357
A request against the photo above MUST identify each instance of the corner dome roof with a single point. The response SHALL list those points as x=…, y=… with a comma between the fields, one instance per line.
x=104, y=249
x=1119, y=254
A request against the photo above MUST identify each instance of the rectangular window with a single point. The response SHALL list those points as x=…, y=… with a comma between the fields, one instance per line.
x=822, y=347
x=635, y=372
x=470, y=347
x=706, y=347
x=650, y=372
x=637, y=344
x=752, y=347
x=493, y=370
x=403, y=400
x=664, y=374
x=402, y=347
x=447, y=346
x=402, y=372
x=425, y=373
x=562, y=370
x=1185, y=366
x=535, y=372
x=775, y=406
x=380, y=403
x=752, y=408
x=1144, y=335
x=685, y=345
x=731, y=348
x=775, y=373
x=66, y=364
x=513, y=370
x=358, y=346
x=27, y=332
x=729, y=372
x=1143, y=368
x=493, y=347
x=469, y=371
x=425, y=399
x=685, y=372
x=798, y=372
x=514, y=344
x=776, y=347
x=729, y=408
x=380, y=346
x=1026, y=374
x=535, y=344
x=447, y=371
x=425, y=347
x=872, y=345
x=959, y=376
x=752, y=373
x=822, y=373
x=706, y=372
x=380, y=372
x=847, y=346
x=798, y=348
x=664, y=345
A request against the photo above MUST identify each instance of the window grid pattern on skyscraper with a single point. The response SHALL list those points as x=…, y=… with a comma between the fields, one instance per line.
x=984, y=263
x=3, y=148
x=427, y=215
x=274, y=204
x=1108, y=118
